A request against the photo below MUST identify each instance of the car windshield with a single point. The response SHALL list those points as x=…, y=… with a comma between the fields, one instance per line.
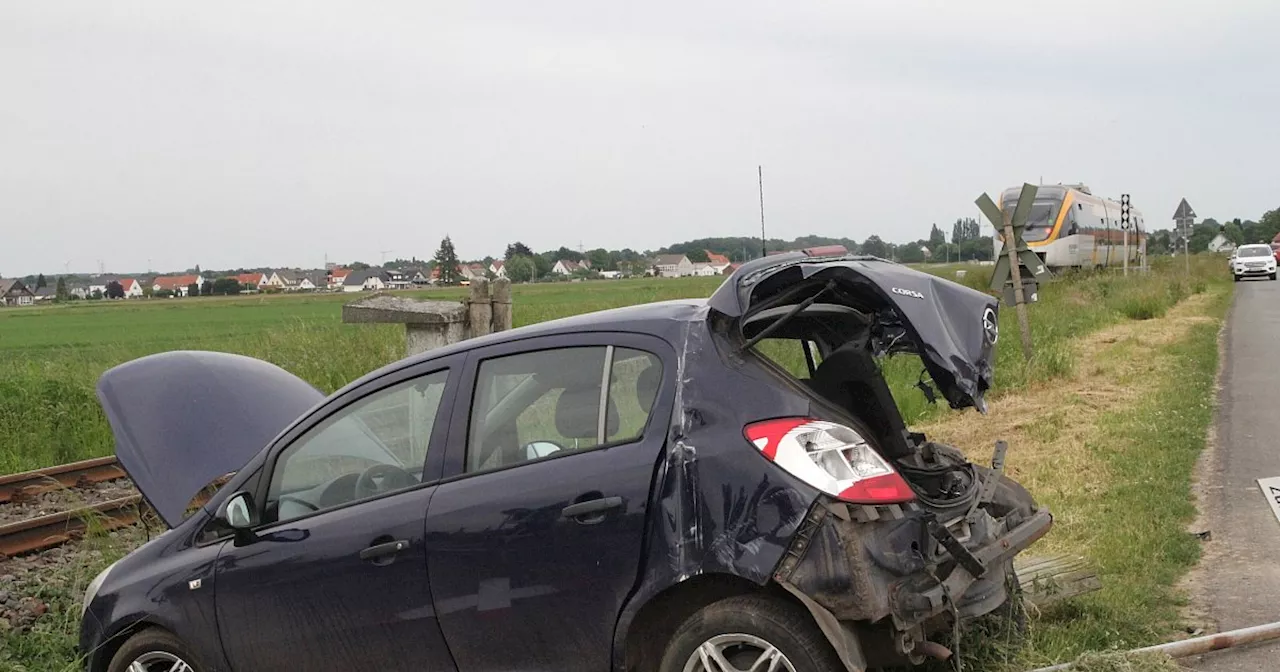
x=1254, y=251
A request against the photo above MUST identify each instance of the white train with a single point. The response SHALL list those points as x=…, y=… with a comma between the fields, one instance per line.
x=1069, y=227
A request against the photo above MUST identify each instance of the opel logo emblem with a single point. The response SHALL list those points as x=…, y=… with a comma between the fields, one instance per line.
x=990, y=326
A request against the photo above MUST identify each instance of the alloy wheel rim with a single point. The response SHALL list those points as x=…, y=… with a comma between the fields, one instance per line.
x=159, y=661
x=737, y=652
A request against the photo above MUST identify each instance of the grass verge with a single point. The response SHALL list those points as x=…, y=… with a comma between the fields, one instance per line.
x=1111, y=450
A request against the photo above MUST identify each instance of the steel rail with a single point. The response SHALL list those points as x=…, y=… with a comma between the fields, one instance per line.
x=40, y=533
x=17, y=487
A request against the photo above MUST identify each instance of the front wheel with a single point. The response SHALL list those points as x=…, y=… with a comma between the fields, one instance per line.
x=748, y=633
x=1272, y=276
x=153, y=651
x=1236, y=277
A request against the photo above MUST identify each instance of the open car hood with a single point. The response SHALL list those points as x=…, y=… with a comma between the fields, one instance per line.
x=183, y=419
x=953, y=328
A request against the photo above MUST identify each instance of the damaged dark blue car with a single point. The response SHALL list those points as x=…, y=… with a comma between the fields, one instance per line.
x=720, y=484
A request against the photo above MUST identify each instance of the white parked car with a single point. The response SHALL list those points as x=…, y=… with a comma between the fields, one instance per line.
x=1252, y=261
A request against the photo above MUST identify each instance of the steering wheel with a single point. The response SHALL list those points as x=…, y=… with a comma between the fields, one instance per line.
x=393, y=478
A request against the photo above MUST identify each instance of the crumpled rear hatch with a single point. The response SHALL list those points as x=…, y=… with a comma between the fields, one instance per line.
x=951, y=327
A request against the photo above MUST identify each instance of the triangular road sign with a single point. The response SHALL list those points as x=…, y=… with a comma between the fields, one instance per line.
x=1184, y=211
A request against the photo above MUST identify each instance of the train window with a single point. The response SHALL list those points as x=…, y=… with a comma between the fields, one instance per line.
x=1039, y=221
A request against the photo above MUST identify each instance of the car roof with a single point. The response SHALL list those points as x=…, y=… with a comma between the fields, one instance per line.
x=646, y=318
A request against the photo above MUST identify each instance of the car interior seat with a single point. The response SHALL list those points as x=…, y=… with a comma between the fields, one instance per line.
x=578, y=415
x=647, y=384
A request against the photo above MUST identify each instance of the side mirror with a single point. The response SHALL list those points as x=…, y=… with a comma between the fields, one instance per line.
x=240, y=514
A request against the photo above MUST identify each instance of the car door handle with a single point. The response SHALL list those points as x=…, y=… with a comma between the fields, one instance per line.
x=591, y=506
x=383, y=550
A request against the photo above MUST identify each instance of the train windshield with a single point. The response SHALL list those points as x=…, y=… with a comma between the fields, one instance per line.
x=1039, y=221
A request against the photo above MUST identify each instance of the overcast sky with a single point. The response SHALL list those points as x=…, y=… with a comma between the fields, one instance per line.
x=272, y=133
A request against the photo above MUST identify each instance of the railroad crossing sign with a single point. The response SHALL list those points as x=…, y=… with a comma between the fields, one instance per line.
x=1032, y=269
x=1018, y=270
x=1186, y=219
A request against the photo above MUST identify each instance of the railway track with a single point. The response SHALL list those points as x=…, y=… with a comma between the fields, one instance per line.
x=46, y=530
x=28, y=484
x=42, y=532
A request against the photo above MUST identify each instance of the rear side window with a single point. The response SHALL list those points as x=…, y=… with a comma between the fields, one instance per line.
x=539, y=404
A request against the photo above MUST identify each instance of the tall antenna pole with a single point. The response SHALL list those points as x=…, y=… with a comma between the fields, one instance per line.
x=760, y=175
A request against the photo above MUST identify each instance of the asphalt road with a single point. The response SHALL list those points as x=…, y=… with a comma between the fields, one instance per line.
x=1242, y=567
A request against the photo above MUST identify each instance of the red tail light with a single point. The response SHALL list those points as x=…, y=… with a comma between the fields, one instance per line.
x=831, y=457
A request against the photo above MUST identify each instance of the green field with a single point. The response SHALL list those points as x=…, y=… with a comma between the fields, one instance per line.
x=51, y=357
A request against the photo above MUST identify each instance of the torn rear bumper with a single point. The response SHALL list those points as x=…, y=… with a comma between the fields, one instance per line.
x=887, y=575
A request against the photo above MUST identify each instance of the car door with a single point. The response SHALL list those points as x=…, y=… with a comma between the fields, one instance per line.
x=534, y=543
x=337, y=578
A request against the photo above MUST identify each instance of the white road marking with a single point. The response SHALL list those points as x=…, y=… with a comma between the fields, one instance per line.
x=1271, y=490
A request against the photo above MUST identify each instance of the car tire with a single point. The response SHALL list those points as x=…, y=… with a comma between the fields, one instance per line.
x=1236, y=277
x=743, y=629
x=1271, y=277
x=154, y=650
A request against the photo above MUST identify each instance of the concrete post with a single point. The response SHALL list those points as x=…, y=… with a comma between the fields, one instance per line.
x=481, y=310
x=500, y=297
x=428, y=324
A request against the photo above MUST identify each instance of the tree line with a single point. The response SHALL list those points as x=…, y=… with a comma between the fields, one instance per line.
x=522, y=264
x=1237, y=231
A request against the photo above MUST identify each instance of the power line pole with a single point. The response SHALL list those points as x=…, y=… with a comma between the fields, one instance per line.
x=760, y=176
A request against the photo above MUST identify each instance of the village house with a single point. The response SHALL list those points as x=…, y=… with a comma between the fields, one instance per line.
x=1221, y=243
x=672, y=266
x=498, y=268
x=704, y=269
x=132, y=288
x=179, y=285
x=397, y=279
x=338, y=277
x=251, y=282
x=284, y=278
x=416, y=276
x=370, y=279
x=717, y=261
x=569, y=267
x=15, y=293
x=45, y=294
x=312, y=281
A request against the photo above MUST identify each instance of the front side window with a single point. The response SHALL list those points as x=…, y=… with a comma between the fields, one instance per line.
x=374, y=446
x=538, y=404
